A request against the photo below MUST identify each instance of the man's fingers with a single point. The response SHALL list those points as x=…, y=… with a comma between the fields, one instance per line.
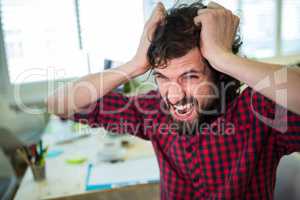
x=197, y=20
x=202, y=10
x=160, y=6
x=201, y=13
x=214, y=5
x=157, y=17
x=159, y=10
x=213, y=8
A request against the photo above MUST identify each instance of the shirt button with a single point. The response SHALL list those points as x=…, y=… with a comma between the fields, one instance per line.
x=197, y=178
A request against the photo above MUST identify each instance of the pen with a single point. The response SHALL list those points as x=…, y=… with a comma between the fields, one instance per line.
x=41, y=147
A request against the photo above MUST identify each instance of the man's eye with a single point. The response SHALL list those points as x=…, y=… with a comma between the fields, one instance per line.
x=160, y=77
x=191, y=77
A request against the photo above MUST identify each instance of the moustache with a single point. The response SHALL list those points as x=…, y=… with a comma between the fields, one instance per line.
x=185, y=100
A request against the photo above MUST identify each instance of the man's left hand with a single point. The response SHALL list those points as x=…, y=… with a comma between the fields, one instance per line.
x=218, y=31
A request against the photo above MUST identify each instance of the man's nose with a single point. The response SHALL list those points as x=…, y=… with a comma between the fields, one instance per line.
x=175, y=93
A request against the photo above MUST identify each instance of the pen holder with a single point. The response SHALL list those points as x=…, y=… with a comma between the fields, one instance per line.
x=38, y=172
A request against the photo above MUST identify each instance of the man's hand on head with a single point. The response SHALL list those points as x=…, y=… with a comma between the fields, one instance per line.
x=140, y=58
x=218, y=31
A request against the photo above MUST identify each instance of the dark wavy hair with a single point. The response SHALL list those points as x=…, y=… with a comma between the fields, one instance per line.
x=177, y=35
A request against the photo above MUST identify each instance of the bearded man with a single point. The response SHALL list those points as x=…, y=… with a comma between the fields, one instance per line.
x=212, y=141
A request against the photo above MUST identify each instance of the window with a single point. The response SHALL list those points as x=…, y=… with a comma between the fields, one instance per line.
x=269, y=28
x=39, y=35
x=77, y=36
x=110, y=30
x=258, y=27
x=44, y=34
x=290, y=27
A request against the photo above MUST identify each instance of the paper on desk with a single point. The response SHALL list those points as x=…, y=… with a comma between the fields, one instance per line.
x=131, y=172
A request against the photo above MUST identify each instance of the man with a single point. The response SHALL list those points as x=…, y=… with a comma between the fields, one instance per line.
x=211, y=142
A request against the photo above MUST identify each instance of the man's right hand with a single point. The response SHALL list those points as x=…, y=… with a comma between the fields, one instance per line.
x=140, y=58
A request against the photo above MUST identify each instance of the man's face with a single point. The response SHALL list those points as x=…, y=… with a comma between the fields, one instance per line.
x=186, y=86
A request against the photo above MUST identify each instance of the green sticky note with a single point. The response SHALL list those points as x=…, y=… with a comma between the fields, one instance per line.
x=76, y=160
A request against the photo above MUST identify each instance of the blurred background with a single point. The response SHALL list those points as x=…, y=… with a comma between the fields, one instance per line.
x=46, y=43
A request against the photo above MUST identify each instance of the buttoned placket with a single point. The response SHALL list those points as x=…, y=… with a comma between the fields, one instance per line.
x=191, y=148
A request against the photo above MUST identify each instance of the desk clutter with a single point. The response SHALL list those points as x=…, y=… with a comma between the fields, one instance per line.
x=34, y=156
x=99, y=161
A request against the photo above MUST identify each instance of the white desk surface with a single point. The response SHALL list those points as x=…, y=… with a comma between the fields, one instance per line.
x=63, y=179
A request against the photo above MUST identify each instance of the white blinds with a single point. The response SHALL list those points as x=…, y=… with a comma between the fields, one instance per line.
x=110, y=29
x=291, y=26
x=40, y=34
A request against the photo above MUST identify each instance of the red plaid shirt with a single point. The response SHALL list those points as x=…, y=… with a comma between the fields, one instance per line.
x=235, y=157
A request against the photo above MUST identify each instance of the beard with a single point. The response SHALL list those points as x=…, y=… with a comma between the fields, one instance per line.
x=206, y=112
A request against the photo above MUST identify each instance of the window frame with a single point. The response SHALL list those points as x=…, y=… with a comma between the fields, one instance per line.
x=4, y=75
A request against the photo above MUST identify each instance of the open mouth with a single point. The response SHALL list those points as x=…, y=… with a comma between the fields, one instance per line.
x=184, y=112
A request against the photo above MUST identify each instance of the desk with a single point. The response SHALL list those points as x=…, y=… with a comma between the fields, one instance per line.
x=67, y=181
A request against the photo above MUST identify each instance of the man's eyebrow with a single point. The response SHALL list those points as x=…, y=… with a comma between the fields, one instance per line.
x=155, y=73
x=192, y=71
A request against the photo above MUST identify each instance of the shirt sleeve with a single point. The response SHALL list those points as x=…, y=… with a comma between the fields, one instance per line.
x=284, y=124
x=119, y=113
x=287, y=128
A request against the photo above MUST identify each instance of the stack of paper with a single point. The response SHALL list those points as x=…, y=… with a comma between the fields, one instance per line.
x=131, y=172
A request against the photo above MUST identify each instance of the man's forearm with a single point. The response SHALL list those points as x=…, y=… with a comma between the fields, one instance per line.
x=81, y=93
x=76, y=95
x=276, y=78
